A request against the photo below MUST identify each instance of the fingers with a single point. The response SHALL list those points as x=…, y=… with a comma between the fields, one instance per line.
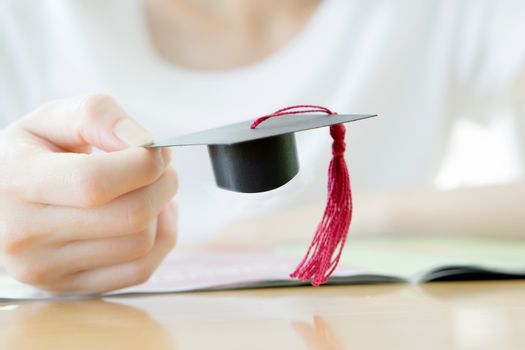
x=37, y=160
x=59, y=263
x=129, y=214
x=82, y=180
x=72, y=220
x=126, y=274
x=92, y=254
x=93, y=120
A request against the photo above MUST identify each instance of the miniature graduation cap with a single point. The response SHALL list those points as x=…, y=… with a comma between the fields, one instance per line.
x=257, y=156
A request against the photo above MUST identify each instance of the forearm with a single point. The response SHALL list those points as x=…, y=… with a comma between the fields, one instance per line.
x=488, y=211
x=497, y=210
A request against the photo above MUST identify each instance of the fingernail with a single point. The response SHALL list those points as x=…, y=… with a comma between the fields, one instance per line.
x=132, y=134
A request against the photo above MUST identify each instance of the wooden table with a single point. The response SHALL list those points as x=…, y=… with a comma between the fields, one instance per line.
x=454, y=315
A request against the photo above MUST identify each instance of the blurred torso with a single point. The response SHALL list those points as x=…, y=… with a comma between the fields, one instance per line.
x=400, y=60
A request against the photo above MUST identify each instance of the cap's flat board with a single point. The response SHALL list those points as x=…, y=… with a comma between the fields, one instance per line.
x=241, y=132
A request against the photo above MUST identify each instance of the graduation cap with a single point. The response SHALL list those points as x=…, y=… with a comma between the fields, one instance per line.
x=258, y=159
x=261, y=155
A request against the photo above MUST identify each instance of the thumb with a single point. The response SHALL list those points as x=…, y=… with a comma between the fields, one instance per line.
x=93, y=120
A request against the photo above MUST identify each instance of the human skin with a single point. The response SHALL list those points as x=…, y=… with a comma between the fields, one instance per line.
x=77, y=222
x=224, y=34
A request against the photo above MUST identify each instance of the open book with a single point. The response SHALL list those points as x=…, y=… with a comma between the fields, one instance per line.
x=370, y=260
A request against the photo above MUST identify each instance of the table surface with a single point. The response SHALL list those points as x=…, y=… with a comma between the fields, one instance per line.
x=446, y=315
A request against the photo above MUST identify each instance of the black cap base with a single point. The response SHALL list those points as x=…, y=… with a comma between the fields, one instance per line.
x=255, y=166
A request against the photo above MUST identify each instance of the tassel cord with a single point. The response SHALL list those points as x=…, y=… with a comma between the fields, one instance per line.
x=325, y=250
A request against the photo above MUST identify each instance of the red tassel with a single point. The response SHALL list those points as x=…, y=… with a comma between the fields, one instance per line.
x=325, y=250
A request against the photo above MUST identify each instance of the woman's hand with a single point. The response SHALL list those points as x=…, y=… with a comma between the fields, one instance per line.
x=77, y=222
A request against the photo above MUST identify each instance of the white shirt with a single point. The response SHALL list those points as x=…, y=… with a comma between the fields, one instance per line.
x=420, y=65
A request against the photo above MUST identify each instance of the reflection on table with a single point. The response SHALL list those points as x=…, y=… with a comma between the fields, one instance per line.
x=452, y=315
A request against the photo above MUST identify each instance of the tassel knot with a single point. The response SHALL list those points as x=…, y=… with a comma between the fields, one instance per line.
x=338, y=134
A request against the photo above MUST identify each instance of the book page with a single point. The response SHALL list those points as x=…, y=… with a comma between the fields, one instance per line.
x=409, y=257
x=365, y=260
x=213, y=270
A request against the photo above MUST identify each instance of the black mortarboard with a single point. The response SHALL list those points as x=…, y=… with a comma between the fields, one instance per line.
x=260, y=159
x=250, y=157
